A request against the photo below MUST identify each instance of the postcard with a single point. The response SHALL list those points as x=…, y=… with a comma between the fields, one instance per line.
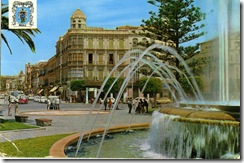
x=118, y=80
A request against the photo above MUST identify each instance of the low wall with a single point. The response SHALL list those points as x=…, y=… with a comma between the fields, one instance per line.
x=200, y=116
x=57, y=150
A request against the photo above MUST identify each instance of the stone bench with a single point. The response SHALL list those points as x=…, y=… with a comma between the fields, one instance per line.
x=21, y=118
x=43, y=122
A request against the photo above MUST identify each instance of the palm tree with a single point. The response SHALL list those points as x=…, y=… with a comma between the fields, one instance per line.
x=23, y=34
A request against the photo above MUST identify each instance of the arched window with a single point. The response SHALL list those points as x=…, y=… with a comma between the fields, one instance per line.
x=144, y=41
x=134, y=42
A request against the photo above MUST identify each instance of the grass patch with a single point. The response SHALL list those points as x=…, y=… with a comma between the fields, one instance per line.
x=30, y=148
x=151, y=110
x=12, y=125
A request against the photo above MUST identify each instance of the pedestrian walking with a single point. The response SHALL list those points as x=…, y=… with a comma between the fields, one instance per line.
x=139, y=108
x=48, y=104
x=9, y=109
x=57, y=104
x=129, y=103
x=145, y=104
x=105, y=102
x=16, y=108
x=110, y=104
x=1, y=110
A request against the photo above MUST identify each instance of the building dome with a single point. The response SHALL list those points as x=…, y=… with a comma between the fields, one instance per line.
x=78, y=14
x=78, y=20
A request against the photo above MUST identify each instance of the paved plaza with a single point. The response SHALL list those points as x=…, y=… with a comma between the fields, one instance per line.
x=71, y=118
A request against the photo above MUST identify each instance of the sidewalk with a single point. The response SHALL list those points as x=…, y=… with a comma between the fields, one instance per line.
x=65, y=123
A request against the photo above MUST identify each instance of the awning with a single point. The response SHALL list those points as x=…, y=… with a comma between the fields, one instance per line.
x=54, y=89
x=40, y=91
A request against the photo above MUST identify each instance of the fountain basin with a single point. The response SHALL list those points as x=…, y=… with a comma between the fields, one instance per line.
x=201, y=116
x=57, y=150
x=191, y=133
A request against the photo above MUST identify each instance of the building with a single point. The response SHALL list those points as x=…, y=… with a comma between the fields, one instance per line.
x=86, y=53
x=221, y=65
x=32, y=73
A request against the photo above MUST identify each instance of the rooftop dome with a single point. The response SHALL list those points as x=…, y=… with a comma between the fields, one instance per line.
x=78, y=14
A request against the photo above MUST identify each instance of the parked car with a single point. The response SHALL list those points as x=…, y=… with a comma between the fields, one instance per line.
x=22, y=99
x=37, y=98
x=30, y=97
x=43, y=99
x=13, y=99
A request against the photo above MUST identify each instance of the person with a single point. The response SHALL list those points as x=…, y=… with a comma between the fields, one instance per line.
x=9, y=109
x=139, y=106
x=129, y=103
x=16, y=108
x=105, y=103
x=57, y=104
x=145, y=104
x=110, y=104
x=48, y=104
x=1, y=109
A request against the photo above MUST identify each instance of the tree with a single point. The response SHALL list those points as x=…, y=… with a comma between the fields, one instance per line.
x=78, y=85
x=154, y=86
x=23, y=34
x=187, y=88
x=177, y=21
x=116, y=87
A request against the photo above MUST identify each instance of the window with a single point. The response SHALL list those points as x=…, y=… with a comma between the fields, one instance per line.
x=121, y=56
x=100, y=58
x=100, y=43
x=111, y=44
x=90, y=43
x=111, y=59
x=100, y=75
x=121, y=43
x=135, y=42
x=90, y=58
x=144, y=41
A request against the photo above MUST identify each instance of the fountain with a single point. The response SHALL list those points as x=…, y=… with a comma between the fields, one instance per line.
x=192, y=129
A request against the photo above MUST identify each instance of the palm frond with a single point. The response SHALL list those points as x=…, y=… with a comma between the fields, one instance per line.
x=6, y=42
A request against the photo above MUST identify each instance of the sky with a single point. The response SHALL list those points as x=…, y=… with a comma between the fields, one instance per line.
x=53, y=20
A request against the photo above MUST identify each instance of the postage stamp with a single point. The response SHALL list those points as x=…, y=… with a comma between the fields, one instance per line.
x=22, y=14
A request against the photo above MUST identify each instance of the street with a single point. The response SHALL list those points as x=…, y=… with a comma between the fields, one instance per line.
x=36, y=106
x=63, y=123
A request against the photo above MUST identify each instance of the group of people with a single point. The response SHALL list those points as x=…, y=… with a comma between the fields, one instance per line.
x=16, y=108
x=107, y=102
x=140, y=107
x=55, y=104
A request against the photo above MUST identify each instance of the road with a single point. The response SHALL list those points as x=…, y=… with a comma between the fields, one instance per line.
x=65, y=122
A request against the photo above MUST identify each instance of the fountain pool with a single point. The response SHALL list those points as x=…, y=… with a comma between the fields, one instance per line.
x=169, y=137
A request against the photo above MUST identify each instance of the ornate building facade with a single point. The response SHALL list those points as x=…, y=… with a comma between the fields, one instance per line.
x=86, y=53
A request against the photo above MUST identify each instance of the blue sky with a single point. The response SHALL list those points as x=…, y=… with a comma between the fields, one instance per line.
x=53, y=19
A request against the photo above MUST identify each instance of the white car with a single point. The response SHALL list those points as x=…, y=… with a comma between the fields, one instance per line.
x=13, y=99
x=30, y=97
x=37, y=98
x=43, y=99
